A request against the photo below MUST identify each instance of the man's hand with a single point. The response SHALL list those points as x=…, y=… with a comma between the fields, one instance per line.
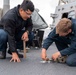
x=15, y=57
x=56, y=55
x=44, y=55
x=25, y=36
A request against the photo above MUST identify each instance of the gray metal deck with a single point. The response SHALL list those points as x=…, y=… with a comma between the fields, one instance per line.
x=32, y=66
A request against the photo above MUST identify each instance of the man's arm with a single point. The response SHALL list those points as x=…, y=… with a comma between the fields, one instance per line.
x=44, y=55
x=28, y=29
x=47, y=42
x=29, y=25
x=10, y=28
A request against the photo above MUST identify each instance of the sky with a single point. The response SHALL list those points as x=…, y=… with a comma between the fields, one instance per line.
x=46, y=7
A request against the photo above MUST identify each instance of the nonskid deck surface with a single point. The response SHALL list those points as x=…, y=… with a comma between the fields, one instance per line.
x=32, y=66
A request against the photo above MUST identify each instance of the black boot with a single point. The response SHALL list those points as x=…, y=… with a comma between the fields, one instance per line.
x=3, y=54
x=19, y=55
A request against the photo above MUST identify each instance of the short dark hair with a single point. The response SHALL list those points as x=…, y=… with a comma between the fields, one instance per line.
x=27, y=4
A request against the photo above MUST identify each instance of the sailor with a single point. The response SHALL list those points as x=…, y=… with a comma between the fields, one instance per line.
x=64, y=36
x=11, y=26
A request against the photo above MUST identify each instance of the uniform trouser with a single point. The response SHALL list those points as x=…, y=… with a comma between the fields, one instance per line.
x=3, y=40
x=62, y=43
x=19, y=42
